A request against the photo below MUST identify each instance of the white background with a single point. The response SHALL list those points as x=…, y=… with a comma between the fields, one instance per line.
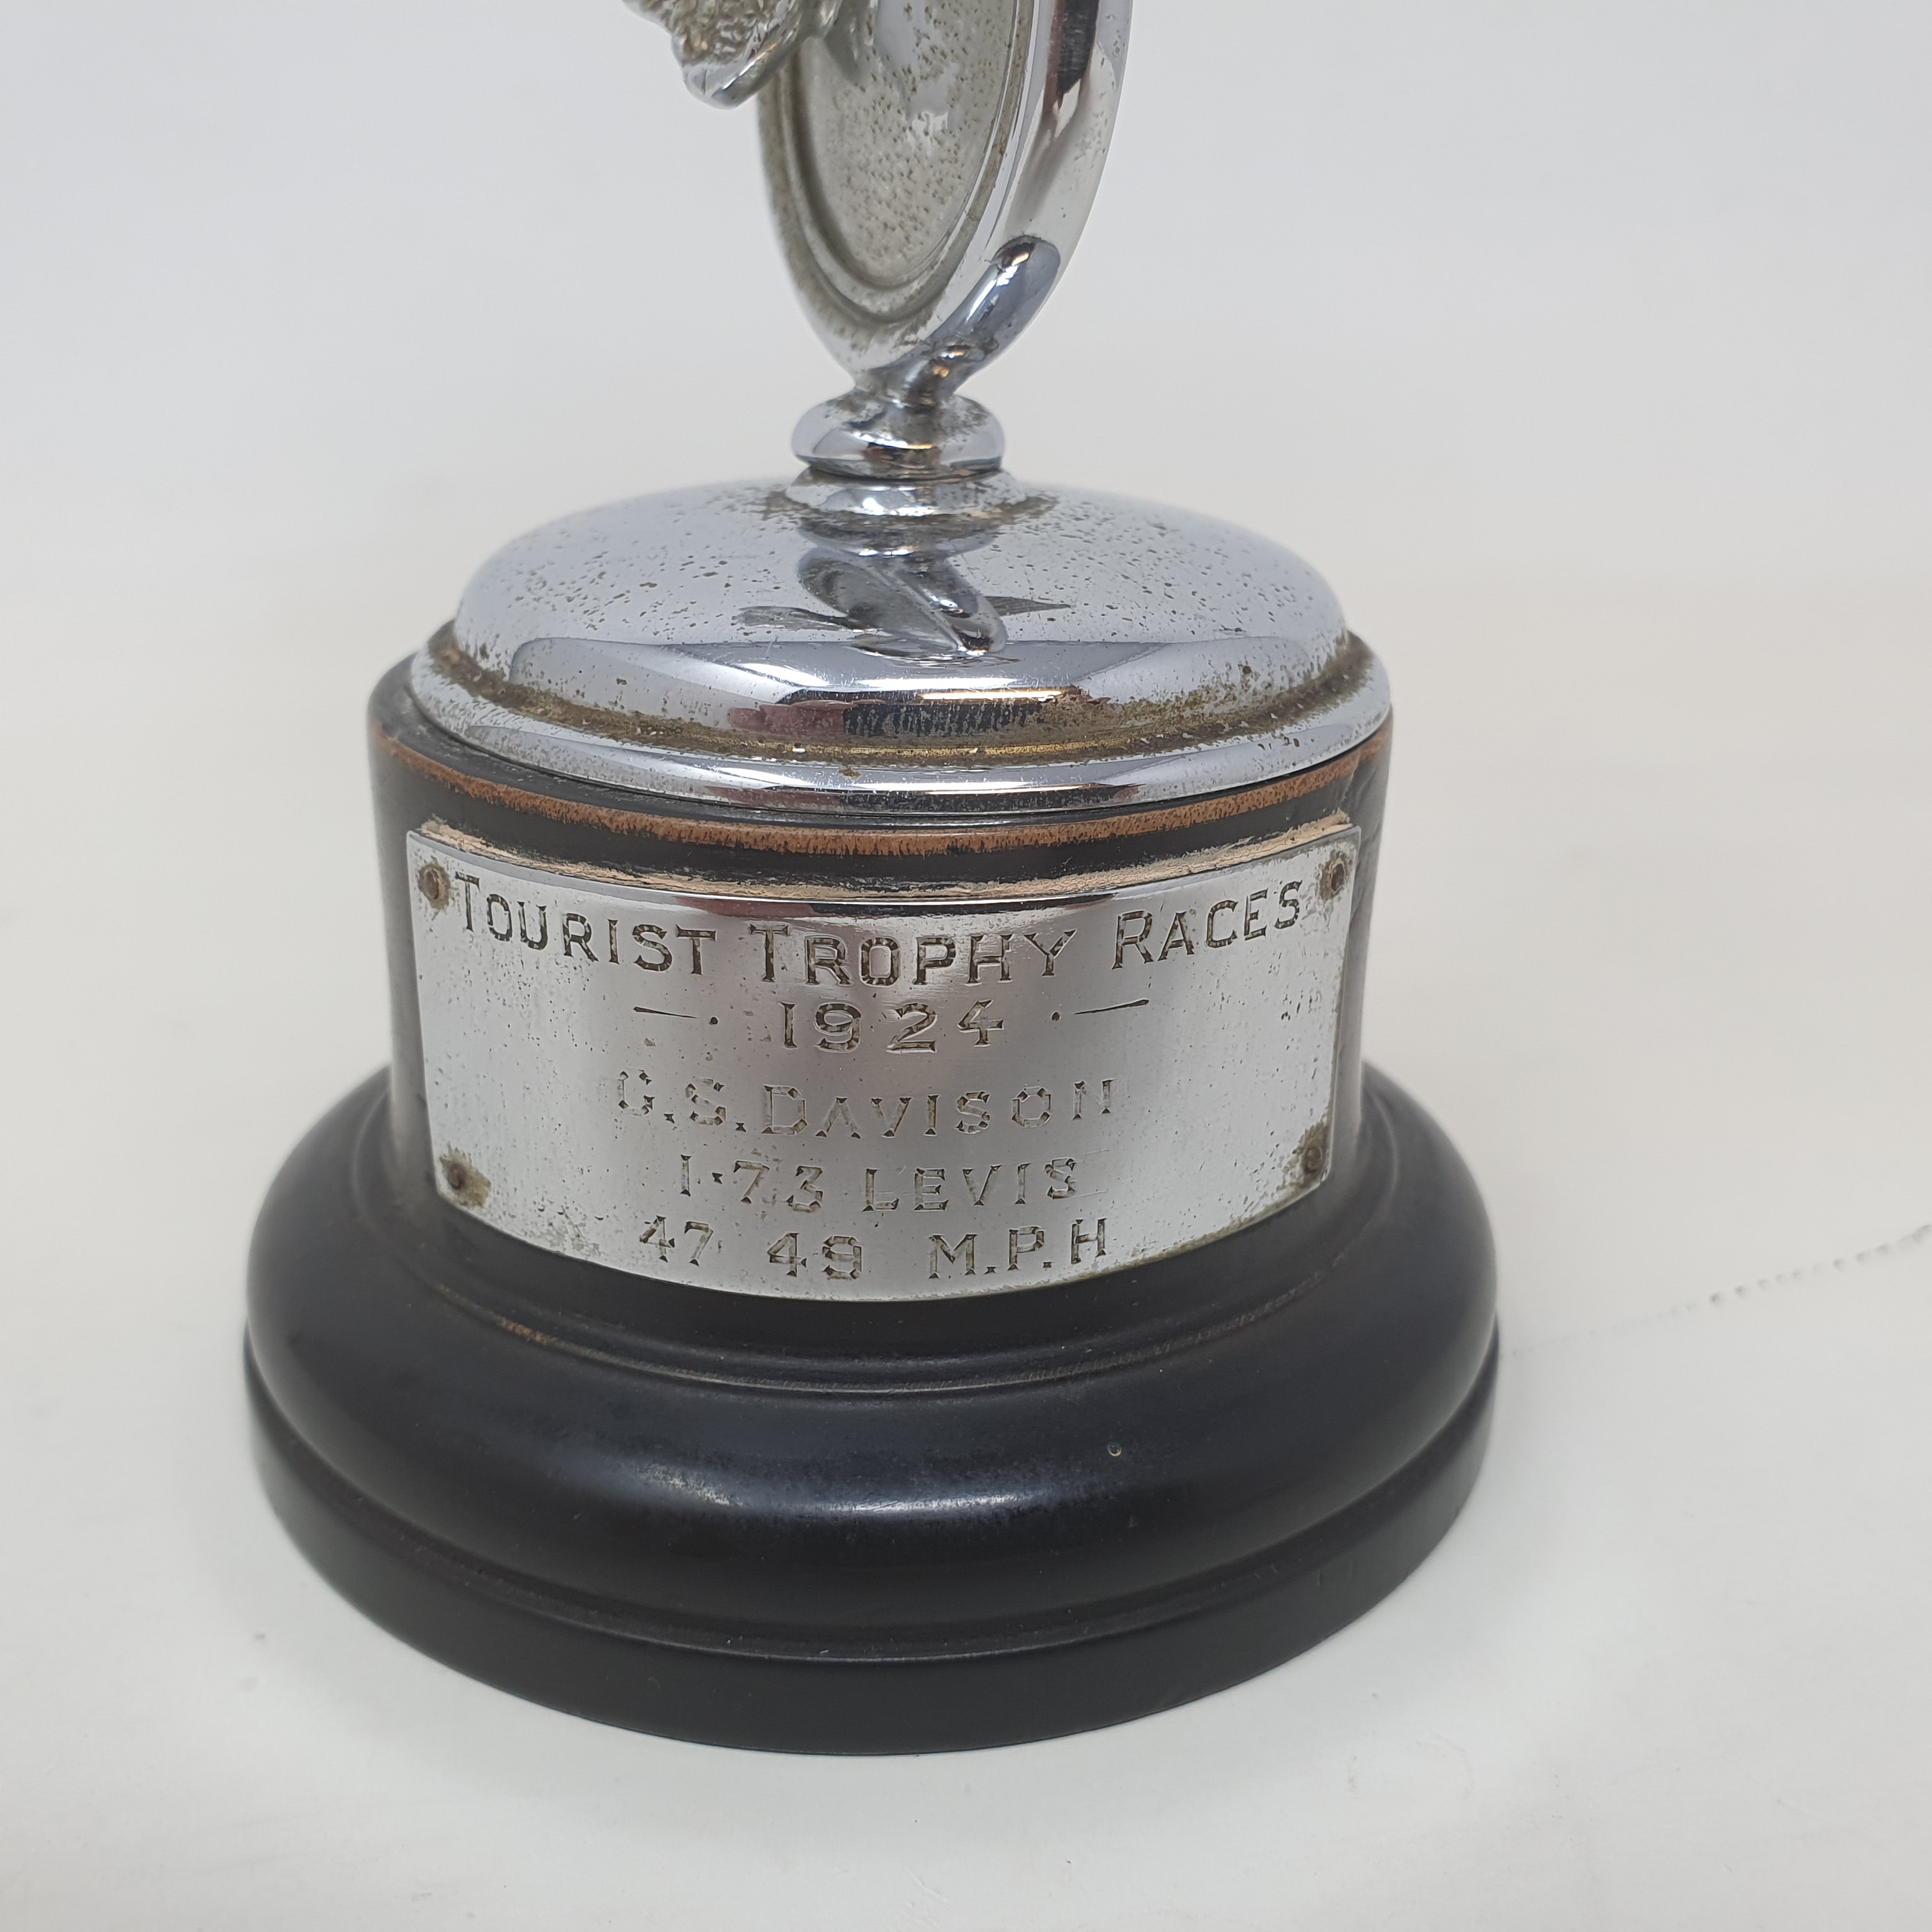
x=1584, y=346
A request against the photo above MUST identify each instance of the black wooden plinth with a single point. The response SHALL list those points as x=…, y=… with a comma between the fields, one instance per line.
x=893, y=1527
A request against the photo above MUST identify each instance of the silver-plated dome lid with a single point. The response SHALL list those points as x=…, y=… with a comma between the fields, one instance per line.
x=1010, y=650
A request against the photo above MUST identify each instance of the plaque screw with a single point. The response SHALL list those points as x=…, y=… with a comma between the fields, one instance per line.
x=463, y=1182
x=432, y=882
x=1334, y=876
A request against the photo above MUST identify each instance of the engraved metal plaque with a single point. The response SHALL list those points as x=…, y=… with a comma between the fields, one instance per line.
x=881, y=1097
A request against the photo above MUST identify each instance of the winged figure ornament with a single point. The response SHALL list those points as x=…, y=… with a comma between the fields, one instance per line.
x=729, y=49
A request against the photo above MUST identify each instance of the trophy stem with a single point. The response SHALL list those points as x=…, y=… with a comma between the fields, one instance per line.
x=907, y=422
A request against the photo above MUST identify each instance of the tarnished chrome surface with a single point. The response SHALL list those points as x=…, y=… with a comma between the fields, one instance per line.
x=806, y=648
x=905, y=629
x=930, y=164
x=906, y=1098
x=910, y=147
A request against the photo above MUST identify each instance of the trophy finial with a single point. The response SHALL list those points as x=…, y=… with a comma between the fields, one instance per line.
x=930, y=164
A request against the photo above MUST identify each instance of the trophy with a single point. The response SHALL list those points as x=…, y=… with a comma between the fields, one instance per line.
x=876, y=1235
